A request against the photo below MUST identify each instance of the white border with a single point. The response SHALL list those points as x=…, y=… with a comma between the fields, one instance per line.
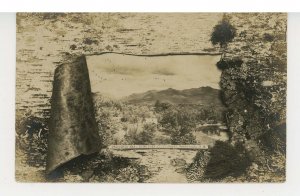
x=150, y=5
x=7, y=101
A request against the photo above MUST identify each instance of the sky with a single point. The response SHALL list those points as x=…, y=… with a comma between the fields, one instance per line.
x=119, y=75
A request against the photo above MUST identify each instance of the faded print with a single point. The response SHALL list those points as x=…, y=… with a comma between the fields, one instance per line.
x=151, y=97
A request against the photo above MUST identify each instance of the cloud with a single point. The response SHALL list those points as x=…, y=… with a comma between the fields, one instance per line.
x=125, y=74
x=166, y=72
x=123, y=70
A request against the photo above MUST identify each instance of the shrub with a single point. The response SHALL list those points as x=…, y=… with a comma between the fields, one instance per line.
x=226, y=160
x=223, y=33
x=210, y=129
x=179, y=123
x=139, y=138
x=185, y=139
x=32, y=134
x=226, y=64
x=161, y=106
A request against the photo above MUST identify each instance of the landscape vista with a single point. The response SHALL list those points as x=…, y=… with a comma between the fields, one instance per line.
x=166, y=99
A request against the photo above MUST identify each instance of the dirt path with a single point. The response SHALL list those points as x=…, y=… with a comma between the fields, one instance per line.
x=166, y=165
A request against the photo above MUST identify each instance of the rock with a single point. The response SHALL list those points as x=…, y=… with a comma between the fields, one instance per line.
x=267, y=83
x=181, y=170
x=254, y=166
x=178, y=162
x=86, y=175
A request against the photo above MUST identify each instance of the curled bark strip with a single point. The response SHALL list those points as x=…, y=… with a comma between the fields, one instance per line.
x=73, y=128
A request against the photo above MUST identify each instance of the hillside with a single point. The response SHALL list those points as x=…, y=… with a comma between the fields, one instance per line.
x=202, y=95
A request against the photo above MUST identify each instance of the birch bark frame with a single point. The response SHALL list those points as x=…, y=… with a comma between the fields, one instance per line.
x=73, y=127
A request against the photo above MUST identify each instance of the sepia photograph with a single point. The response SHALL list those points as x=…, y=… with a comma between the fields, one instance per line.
x=151, y=97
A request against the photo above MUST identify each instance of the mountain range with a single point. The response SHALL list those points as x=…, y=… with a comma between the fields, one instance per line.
x=203, y=95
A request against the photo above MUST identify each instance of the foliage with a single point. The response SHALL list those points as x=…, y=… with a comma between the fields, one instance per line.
x=223, y=33
x=32, y=133
x=226, y=160
x=161, y=123
x=222, y=65
x=222, y=160
x=100, y=167
x=179, y=123
x=209, y=129
x=161, y=106
x=253, y=84
x=140, y=138
x=185, y=139
x=195, y=171
x=188, y=116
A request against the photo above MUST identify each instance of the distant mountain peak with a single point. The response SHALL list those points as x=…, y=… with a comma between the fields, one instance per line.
x=203, y=95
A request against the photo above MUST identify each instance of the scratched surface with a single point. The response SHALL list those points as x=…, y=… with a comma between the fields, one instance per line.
x=44, y=41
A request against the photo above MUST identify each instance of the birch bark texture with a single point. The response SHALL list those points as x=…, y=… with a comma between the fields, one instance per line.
x=73, y=127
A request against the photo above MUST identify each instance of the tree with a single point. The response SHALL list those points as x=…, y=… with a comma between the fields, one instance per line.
x=169, y=120
x=161, y=106
x=179, y=123
x=223, y=33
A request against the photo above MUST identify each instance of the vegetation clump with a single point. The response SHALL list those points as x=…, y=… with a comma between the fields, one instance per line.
x=223, y=33
x=253, y=85
x=226, y=160
x=32, y=134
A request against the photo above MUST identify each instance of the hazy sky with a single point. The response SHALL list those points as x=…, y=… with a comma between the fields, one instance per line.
x=118, y=75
